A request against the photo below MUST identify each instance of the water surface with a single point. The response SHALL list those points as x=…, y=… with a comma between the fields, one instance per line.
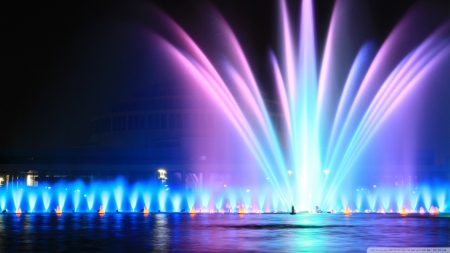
x=135, y=232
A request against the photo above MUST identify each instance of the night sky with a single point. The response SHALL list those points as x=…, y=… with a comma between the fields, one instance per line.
x=65, y=62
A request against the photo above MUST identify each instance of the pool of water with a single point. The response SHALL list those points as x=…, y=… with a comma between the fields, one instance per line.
x=135, y=232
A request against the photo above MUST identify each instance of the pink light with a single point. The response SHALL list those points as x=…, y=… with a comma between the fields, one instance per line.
x=289, y=51
x=282, y=93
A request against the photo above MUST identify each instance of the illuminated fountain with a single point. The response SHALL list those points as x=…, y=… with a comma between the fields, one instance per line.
x=315, y=153
x=333, y=119
x=151, y=195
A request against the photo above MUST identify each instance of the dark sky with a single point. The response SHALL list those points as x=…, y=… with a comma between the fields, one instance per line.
x=64, y=62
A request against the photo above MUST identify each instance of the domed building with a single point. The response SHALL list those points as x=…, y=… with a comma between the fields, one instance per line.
x=160, y=127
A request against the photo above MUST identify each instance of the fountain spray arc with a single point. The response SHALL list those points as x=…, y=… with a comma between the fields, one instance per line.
x=294, y=175
x=315, y=136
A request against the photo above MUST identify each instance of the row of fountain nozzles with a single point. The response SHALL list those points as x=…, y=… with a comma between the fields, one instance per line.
x=433, y=210
x=58, y=210
x=241, y=210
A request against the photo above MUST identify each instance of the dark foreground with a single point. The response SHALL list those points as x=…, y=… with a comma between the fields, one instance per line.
x=133, y=232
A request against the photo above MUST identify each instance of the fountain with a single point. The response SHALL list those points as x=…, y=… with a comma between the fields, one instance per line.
x=332, y=121
x=315, y=152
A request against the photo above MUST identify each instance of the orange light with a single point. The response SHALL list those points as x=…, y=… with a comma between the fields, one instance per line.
x=145, y=210
x=192, y=211
x=347, y=211
x=101, y=210
x=403, y=212
x=58, y=210
x=241, y=210
x=434, y=210
x=18, y=211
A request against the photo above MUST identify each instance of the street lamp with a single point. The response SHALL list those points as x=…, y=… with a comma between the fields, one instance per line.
x=162, y=175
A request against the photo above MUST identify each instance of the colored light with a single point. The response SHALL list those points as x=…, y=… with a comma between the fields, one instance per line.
x=403, y=212
x=434, y=210
x=347, y=211
x=162, y=175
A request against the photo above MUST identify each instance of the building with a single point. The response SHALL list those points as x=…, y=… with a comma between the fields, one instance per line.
x=159, y=127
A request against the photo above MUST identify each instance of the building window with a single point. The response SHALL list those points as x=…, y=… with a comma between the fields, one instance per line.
x=146, y=105
x=97, y=126
x=141, y=121
x=103, y=125
x=124, y=123
x=150, y=121
x=194, y=120
x=168, y=144
x=202, y=120
x=172, y=121
x=136, y=122
x=186, y=121
x=114, y=124
x=170, y=103
x=214, y=122
x=179, y=121
x=32, y=181
x=119, y=123
x=177, y=104
x=157, y=121
x=163, y=121
x=130, y=122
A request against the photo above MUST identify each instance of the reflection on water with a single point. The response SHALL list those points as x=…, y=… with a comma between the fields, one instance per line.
x=161, y=233
x=134, y=232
